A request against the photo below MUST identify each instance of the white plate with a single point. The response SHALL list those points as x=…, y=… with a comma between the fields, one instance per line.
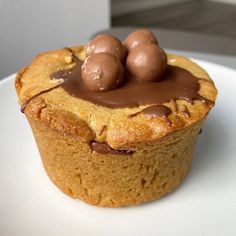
x=205, y=204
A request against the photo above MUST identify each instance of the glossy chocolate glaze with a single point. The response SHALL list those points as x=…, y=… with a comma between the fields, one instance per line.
x=176, y=108
x=155, y=111
x=104, y=148
x=64, y=73
x=177, y=84
x=25, y=103
x=186, y=111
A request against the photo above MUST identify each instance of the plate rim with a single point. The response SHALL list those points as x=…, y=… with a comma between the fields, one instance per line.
x=9, y=79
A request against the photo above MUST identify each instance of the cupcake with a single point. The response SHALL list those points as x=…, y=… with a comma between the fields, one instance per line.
x=115, y=122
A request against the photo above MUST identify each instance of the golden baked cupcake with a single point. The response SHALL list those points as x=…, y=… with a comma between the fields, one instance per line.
x=115, y=123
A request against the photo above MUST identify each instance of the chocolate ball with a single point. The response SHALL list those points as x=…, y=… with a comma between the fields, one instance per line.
x=107, y=43
x=138, y=37
x=102, y=71
x=146, y=62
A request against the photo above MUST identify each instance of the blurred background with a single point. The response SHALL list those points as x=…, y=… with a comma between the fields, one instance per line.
x=199, y=28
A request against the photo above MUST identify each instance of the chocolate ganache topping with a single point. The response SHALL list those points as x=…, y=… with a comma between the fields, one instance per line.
x=177, y=84
x=108, y=78
x=116, y=87
x=104, y=148
x=155, y=111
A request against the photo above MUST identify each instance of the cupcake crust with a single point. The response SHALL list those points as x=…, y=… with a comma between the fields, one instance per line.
x=151, y=157
x=66, y=114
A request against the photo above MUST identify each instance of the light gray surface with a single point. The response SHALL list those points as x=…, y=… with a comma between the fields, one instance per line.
x=28, y=27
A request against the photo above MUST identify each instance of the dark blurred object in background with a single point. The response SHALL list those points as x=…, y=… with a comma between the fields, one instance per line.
x=201, y=16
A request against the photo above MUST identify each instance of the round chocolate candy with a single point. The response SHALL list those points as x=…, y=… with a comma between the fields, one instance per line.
x=138, y=37
x=107, y=43
x=146, y=62
x=102, y=71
